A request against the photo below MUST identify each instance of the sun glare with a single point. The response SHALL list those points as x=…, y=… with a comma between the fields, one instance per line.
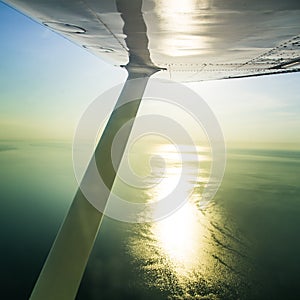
x=182, y=36
x=176, y=233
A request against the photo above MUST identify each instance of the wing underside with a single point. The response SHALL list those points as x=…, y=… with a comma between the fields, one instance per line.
x=189, y=40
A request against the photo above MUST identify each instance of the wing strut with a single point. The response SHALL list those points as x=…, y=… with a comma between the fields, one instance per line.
x=66, y=262
x=64, y=267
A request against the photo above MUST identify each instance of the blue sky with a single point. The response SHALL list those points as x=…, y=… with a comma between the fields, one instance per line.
x=46, y=82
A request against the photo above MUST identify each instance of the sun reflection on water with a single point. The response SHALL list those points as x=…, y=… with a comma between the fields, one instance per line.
x=193, y=252
x=178, y=243
x=180, y=235
x=180, y=238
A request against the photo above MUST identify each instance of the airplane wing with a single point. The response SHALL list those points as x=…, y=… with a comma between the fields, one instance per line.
x=190, y=40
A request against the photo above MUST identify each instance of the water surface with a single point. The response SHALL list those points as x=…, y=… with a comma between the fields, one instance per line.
x=244, y=245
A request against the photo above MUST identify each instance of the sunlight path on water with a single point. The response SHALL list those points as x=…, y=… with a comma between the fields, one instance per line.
x=185, y=251
x=180, y=238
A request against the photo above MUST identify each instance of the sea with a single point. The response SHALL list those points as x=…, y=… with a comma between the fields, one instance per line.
x=243, y=244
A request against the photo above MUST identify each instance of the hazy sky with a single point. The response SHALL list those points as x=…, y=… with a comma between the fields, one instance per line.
x=46, y=82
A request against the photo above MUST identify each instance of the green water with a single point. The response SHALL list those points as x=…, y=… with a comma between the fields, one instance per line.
x=244, y=245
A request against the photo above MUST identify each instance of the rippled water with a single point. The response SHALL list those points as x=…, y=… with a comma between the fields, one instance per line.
x=244, y=245
x=196, y=251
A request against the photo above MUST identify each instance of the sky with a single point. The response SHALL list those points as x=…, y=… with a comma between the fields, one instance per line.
x=46, y=82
